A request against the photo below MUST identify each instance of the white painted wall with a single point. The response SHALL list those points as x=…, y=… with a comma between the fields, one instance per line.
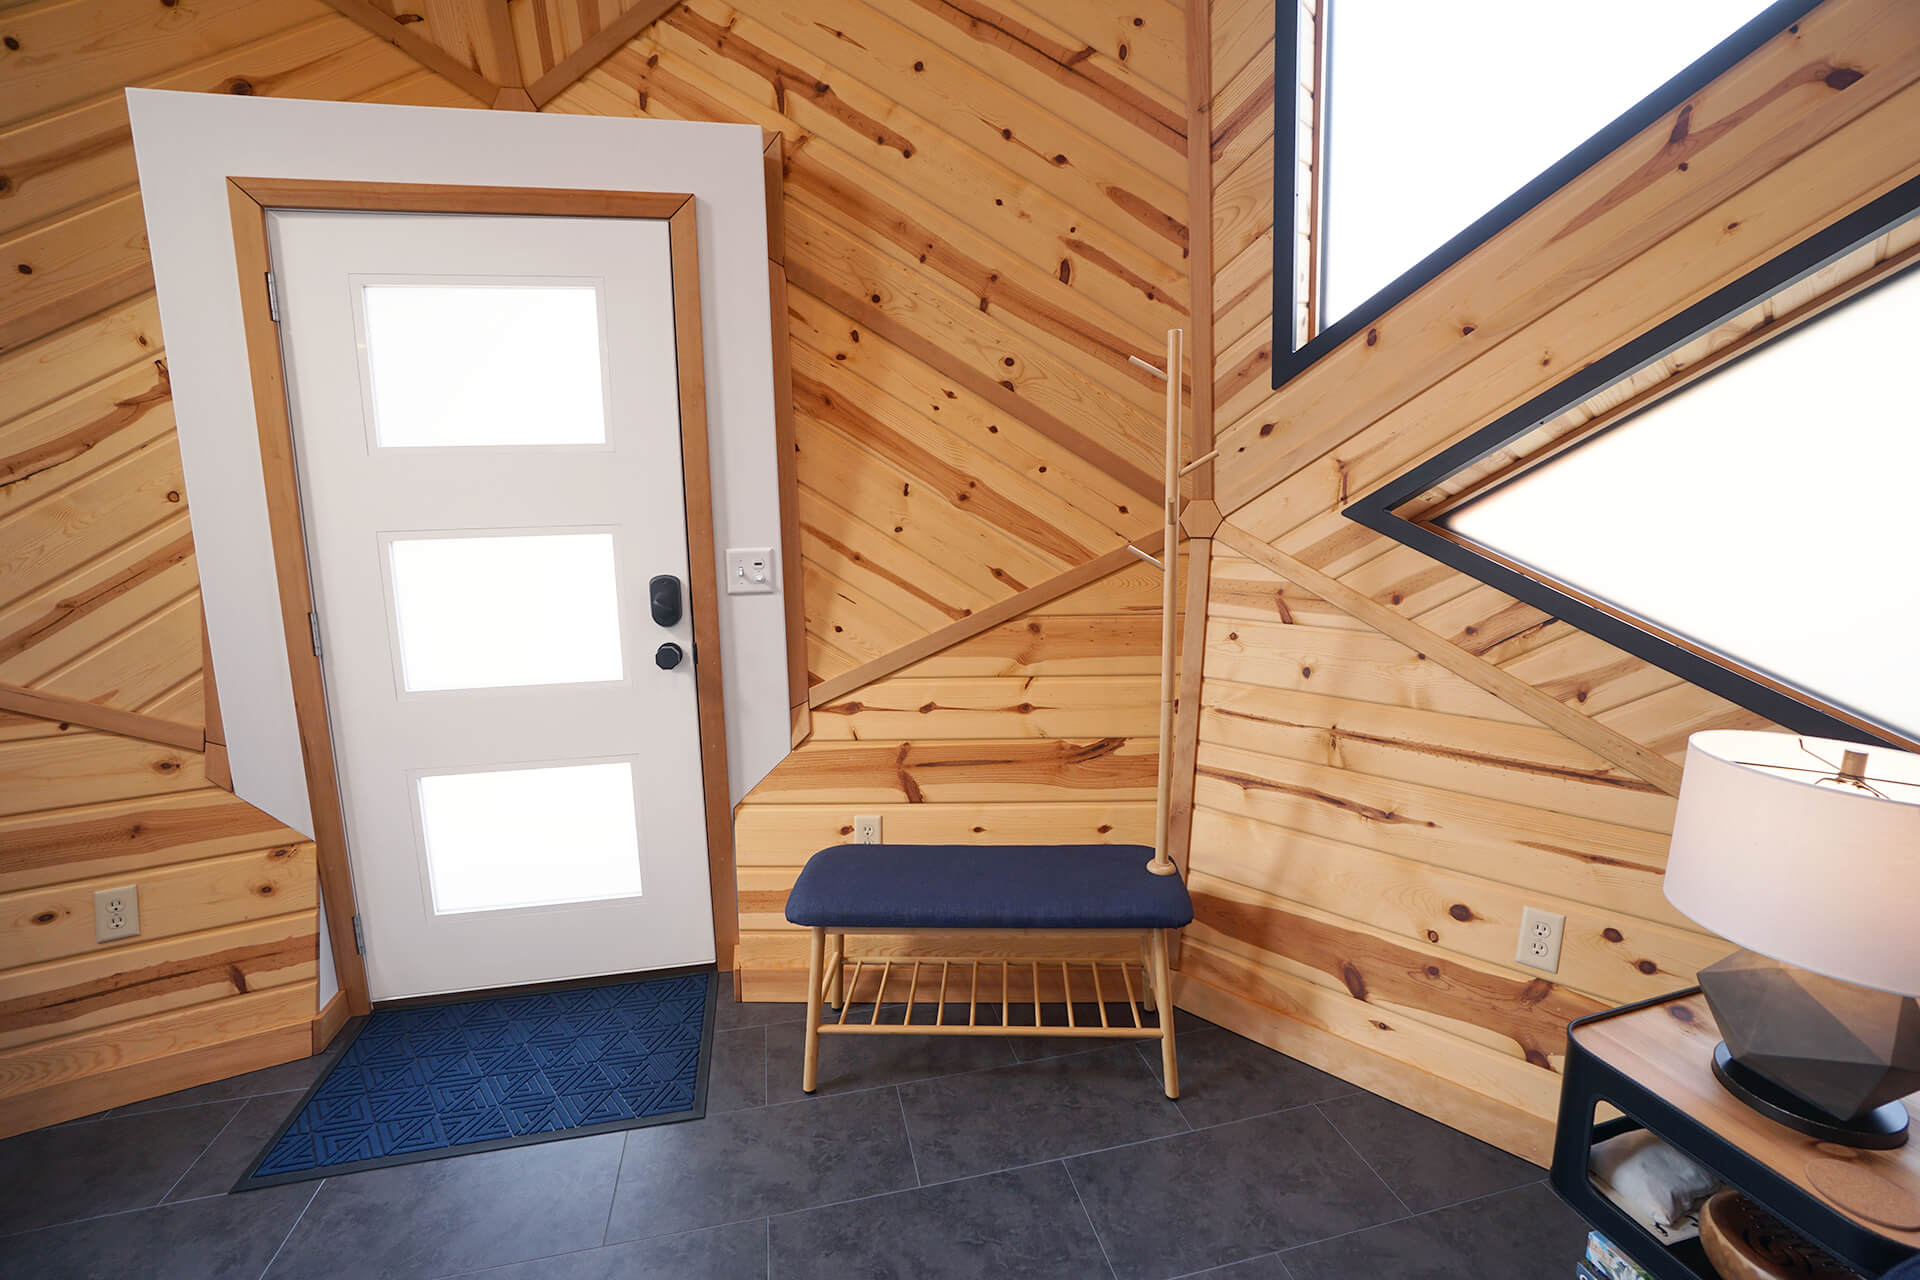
x=188, y=144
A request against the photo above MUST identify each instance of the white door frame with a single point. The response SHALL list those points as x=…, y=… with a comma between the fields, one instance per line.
x=248, y=200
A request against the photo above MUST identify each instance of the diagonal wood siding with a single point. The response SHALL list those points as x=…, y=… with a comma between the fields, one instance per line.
x=985, y=214
x=1370, y=820
x=99, y=595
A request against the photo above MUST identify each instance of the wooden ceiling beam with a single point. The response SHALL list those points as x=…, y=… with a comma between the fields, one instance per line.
x=601, y=46
x=420, y=49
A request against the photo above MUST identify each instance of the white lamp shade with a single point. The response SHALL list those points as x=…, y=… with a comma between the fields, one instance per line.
x=1814, y=873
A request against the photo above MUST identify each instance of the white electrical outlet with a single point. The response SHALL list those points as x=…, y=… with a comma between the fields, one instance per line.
x=866, y=829
x=1540, y=933
x=116, y=914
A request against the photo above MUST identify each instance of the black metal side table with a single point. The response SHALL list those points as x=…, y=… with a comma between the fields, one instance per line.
x=1652, y=1064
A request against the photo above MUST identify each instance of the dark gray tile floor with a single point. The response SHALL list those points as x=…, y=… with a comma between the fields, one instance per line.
x=919, y=1159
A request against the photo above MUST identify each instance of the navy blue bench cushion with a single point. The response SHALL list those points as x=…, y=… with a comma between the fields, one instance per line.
x=954, y=886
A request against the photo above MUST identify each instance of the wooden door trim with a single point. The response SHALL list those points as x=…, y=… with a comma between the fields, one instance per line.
x=249, y=200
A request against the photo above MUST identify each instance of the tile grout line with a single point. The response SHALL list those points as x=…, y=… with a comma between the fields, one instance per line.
x=194, y=1163
x=613, y=1197
x=297, y=1220
x=906, y=1131
x=1091, y=1224
x=768, y=1220
x=1361, y=1156
x=1411, y=1217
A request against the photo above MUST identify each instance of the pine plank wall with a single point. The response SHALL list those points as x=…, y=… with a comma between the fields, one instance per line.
x=989, y=205
x=1394, y=759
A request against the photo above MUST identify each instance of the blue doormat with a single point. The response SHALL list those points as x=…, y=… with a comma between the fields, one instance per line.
x=478, y=1074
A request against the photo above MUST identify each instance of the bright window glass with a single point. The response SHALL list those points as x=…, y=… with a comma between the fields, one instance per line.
x=1764, y=513
x=1438, y=111
x=487, y=612
x=530, y=837
x=484, y=365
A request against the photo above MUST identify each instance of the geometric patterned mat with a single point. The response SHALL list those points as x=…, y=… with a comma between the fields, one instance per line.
x=482, y=1073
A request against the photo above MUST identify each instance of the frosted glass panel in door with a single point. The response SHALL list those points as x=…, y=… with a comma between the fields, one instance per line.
x=478, y=365
x=488, y=612
x=530, y=837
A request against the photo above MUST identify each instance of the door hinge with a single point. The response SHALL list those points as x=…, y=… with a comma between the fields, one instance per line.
x=313, y=628
x=273, y=299
x=359, y=937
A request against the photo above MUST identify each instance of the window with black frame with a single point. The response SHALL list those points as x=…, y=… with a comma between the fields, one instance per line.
x=1433, y=126
x=1730, y=496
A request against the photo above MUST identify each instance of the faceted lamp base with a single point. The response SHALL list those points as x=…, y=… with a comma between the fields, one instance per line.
x=1817, y=1054
x=1881, y=1129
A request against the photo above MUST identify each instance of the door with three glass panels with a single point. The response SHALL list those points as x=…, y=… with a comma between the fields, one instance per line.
x=486, y=426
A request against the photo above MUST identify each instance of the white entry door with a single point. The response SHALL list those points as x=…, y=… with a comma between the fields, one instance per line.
x=487, y=432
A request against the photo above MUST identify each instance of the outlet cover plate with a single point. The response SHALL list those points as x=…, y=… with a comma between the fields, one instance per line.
x=116, y=913
x=1540, y=935
x=866, y=829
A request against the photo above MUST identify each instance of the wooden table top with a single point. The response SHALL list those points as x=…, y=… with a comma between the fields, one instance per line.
x=1667, y=1048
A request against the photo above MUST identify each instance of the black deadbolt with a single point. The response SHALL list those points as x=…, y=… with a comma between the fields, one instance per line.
x=663, y=592
x=668, y=656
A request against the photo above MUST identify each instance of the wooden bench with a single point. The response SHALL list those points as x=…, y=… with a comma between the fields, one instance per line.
x=1023, y=913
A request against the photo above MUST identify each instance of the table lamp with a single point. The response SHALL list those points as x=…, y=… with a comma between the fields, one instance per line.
x=1806, y=853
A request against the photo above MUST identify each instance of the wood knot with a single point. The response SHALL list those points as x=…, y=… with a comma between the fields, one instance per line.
x=1356, y=982
x=11, y=42
x=280, y=855
x=1373, y=336
x=1104, y=828
x=264, y=890
x=46, y=917
x=24, y=268
x=1460, y=911
x=1433, y=971
x=173, y=495
x=979, y=831
x=846, y=830
x=1681, y=1013
x=244, y=88
x=1646, y=966
x=1433, y=935
x=166, y=766
x=1612, y=934
x=6, y=184
x=1842, y=77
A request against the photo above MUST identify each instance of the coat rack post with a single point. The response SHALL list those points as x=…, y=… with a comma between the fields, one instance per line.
x=1162, y=864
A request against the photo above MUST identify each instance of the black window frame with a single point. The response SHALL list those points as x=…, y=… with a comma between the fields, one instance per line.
x=1289, y=360
x=1797, y=710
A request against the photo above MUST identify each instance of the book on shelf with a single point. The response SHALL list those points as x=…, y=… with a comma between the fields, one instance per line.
x=1610, y=1262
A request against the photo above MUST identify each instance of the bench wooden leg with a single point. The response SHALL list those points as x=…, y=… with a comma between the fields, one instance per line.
x=1162, y=981
x=837, y=976
x=1146, y=973
x=816, y=969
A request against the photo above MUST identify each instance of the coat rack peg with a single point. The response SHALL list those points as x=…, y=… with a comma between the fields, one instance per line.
x=1199, y=462
x=1144, y=556
x=1152, y=369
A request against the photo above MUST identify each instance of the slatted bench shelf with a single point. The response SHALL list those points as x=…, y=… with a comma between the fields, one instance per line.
x=1091, y=915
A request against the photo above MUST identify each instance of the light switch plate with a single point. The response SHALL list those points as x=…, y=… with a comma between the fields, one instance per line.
x=750, y=571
